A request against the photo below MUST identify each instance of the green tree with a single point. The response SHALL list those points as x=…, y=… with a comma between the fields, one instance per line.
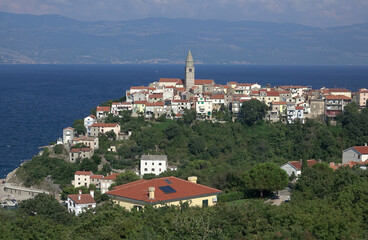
x=79, y=127
x=265, y=177
x=252, y=111
x=126, y=177
x=189, y=116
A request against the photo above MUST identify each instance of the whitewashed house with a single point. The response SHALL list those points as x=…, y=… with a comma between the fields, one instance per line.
x=88, y=122
x=204, y=108
x=118, y=107
x=68, y=135
x=78, y=203
x=355, y=154
x=153, y=164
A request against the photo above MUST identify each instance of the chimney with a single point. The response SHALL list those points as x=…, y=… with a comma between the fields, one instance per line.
x=92, y=192
x=80, y=195
x=365, y=144
x=151, y=193
x=192, y=179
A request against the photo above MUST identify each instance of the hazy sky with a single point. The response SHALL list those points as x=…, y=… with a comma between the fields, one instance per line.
x=309, y=12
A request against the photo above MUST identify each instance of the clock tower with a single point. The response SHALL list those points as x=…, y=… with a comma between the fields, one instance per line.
x=189, y=72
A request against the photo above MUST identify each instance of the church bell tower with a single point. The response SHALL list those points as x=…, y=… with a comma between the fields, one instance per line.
x=189, y=72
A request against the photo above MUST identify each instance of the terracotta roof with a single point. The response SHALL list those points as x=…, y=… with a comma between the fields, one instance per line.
x=180, y=101
x=157, y=95
x=279, y=103
x=156, y=104
x=97, y=176
x=244, y=84
x=173, y=80
x=338, y=90
x=284, y=92
x=298, y=166
x=273, y=93
x=83, y=173
x=180, y=89
x=111, y=177
x=218, y=96
x=75, y=150
x=232, y=83
x=203, y=81
x=362, y=149
x=337, y=97
x=183, y=190
x=69, y=128
x=105, y=125
x=140, y=102
x=92, y=116
x=363, y=90
x=206, y=93
x=255, y=92
x=84, y=198
x=151, y=88
x=298, y=108
x=103, y=109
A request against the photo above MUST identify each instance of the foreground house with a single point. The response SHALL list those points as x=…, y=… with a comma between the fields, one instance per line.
x=78, y=203
x=76, y=153
x=296, y=166
x=357, y=154
x=163, y=191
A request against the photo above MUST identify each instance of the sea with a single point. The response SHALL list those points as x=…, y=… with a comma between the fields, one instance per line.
x=38, y=101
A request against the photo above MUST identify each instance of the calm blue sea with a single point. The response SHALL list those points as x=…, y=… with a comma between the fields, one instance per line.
x=38, y=101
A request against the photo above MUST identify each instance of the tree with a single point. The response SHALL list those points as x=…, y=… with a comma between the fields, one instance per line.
x=79, y=126
x=196, y=145
x=265, y=177
x=126, y=177
x=189, y=116
x=252, y=111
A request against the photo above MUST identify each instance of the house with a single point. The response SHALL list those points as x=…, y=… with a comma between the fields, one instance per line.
x=277, y=110
x=355, y=154
x=106, y=182
x=178, y=106
x=362, y=97
x=76, y=153
x=98, y=128
x=88, y=122
x=118, y=107
x=153, y=164
x=96, y=180
x=91, y=142
x=350, y=164
x=155, y=109
x=335, y=104
x=296, y=166
x=166, y=82
x=78, y=203
x=159, y=192
x=82, y=178
x=205, y=85
x=343, y=92
x=139, y=106
x=102, y=112
x=156, y=97
x=68, y=135
x=204, y=108
x=294, y=112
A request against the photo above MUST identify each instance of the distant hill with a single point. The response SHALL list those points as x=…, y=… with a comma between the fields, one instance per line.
x=57, y=39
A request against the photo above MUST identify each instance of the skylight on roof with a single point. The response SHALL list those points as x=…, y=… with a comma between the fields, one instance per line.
x=167, y=189
x=168, y=181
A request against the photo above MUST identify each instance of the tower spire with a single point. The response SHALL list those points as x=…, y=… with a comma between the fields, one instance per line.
x=189, y=71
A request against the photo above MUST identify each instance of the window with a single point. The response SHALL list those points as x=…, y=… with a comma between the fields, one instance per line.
x=145, y=169
x=152, y=169
x=160, y=164
x=153, y=163
x=145, y=163
x=160, y=170
x=205, y=203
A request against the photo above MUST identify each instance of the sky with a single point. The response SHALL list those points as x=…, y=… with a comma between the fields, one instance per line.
x=319, y=13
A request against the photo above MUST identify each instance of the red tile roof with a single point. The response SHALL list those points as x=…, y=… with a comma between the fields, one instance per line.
x=97, y=176
x=273, y=93
x=83, y=173
x=180, y=101
x=69, y=128
x=337, y=97
x=111, y=177
x=244, y=84
x=140, y=87
x=183, y=190
x=298, y=165
x=75, y=150
x=362, y=149
x=232, y=83
x=299, y=107
x=103, y=109
x=92, y=116
x=156, y=104
x=84, y=198
x=218, y=96
x=105, y=125
x=203, y=81
x=338, y=90
x=157, y=95
x=363, y=90
x=140, y=102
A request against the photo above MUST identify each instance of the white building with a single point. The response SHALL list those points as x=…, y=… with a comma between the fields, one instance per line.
x=91, y=142
x=82, y=178
x=98, y=128
x=78, y=203
x=153, y=164
x=296, y=167
x=68, y=135
x=88, y=122
x=355, y=154
x=118, y=107
x=204, y=108
x=178, y=106
x=102, y=112
x=106, y=182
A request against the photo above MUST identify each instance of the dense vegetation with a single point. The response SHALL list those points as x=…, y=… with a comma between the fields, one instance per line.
x=324, y=205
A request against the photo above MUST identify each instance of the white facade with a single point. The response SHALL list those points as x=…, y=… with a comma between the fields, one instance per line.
x=204, y=108
x=68, y=135
x=78, y=203
x=118, y=107
x=178, y=106
x=290, y=169
x=88, y=122
x=153, y=164
x=82, y=178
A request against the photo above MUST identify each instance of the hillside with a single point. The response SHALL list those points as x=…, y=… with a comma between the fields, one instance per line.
x=60, y=40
